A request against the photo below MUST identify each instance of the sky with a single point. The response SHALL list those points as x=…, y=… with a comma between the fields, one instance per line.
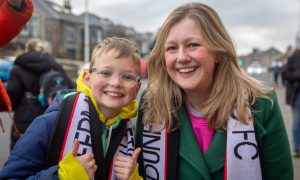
x=251, y=24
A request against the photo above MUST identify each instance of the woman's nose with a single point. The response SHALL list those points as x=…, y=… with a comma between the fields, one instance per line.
x=183, y=55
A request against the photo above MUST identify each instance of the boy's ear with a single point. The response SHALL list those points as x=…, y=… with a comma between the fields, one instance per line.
x=138, y=88
x=86, y=78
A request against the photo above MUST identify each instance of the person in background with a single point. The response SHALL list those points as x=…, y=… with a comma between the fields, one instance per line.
x=97, y=116
x=202, y=116
x=291, y=76
x=276, y=69
x=23, y=85
x=276, y=72
x=14, y=14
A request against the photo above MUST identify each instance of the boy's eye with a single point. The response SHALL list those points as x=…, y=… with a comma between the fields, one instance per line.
x=102, y=72
x=105, y=73
x=129, y=77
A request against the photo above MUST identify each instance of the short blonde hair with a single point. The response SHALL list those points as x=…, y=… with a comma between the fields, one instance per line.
x=34, y=44
x=123, y=47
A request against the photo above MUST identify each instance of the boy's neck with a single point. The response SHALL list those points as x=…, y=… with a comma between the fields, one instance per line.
x=109, y=114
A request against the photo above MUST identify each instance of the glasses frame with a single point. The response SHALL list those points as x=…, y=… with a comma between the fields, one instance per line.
x=98, y=72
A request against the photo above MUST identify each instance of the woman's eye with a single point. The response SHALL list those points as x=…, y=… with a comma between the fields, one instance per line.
x=192, y=45
x=171, y=48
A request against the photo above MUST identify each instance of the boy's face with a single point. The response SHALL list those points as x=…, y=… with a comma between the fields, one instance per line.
x=114, y=82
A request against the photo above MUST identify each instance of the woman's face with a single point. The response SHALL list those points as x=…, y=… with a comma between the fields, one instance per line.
x=190, y=64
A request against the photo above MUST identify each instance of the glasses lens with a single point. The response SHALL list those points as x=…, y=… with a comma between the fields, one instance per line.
x=127, y=79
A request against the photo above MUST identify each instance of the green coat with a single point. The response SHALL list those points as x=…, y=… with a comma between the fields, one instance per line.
x=274, y=151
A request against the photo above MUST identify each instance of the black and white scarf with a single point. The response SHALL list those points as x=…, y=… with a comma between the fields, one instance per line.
x=242, y=157
x=241, y=161
x=85, y=127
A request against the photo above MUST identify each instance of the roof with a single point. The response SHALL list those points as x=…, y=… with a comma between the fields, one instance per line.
x=54, y=11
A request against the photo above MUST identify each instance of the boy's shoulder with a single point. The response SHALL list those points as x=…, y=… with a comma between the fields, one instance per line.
x=50, y=115
x=61, y=95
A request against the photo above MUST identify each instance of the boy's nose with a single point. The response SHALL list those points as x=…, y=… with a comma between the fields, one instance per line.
x=115, y=81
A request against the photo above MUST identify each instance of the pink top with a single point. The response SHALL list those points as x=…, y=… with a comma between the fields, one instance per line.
x=204, y=135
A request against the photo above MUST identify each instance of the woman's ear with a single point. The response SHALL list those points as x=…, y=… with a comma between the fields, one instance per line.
x=217, y=58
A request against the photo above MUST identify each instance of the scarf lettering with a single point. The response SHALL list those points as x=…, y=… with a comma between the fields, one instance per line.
x=242, y=150
x=126, y=148
x=83, y=133
x=245, y=143
x=154, y=153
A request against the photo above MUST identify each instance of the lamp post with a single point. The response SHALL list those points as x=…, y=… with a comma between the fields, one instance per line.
x=86, y=34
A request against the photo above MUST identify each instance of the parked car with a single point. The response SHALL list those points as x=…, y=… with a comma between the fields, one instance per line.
x=6, y=64
x=144, y=63
x=255, y=68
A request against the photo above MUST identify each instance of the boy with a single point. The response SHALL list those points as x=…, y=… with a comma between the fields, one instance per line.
x=96, y=116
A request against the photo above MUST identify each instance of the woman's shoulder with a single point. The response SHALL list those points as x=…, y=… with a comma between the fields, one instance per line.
x=264, y=105
x=266, y=101
x=267, y=112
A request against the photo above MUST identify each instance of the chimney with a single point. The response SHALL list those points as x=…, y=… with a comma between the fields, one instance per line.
x=67, y=6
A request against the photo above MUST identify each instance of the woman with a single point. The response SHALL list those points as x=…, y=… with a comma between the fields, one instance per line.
x=202, y=116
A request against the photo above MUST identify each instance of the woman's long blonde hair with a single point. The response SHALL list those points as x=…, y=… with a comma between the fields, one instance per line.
x=231, y=86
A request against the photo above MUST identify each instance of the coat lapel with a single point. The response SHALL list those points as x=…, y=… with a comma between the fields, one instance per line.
x=215, y=154
x=189, y=150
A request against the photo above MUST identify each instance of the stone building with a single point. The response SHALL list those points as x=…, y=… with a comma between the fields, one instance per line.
x=63, y=32
x=265, y=58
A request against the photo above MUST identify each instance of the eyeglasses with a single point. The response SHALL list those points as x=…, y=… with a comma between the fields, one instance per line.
x=127, y=79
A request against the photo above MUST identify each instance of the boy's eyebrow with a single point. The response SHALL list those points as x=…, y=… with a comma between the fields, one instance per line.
x=126, y=70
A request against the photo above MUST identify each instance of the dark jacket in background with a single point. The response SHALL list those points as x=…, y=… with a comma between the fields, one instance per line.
x=59, y=68
x=23, y=87
x=22, y=162
x=291, y=75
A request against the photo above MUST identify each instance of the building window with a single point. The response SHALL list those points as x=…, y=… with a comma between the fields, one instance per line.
x=32, y=28
x=95, y=36
x=98, y=36
x=71, y=34
x=71, y=53
x=35, y=28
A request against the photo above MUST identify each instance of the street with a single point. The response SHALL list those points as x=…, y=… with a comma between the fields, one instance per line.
x=286, y=111
x=4, y=138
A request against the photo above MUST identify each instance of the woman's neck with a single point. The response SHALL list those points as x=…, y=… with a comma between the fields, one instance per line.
x=196, y=101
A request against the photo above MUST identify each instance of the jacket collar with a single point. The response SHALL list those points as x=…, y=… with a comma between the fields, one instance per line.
x=213, y=160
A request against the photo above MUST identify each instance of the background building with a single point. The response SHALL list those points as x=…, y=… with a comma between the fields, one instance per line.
x=63, y=32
